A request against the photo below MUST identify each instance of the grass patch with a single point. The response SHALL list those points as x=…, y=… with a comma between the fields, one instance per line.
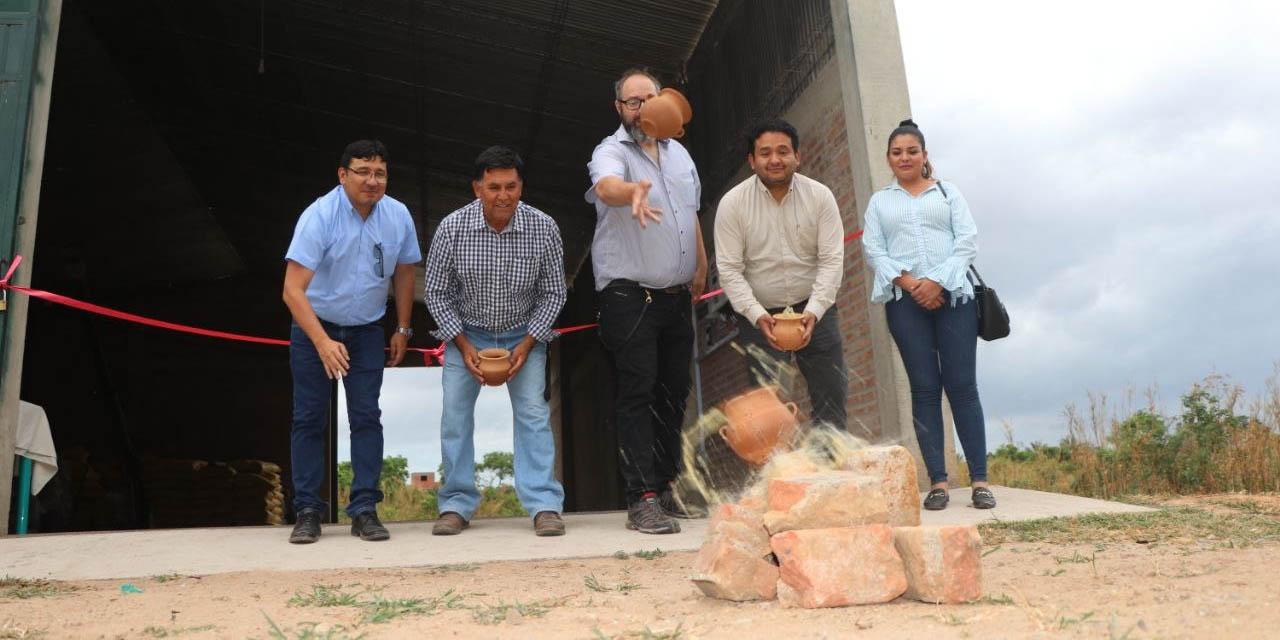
x=1240, y=530
x=323, y=595
x=167, y=577
x=169, y=632
x=649, y=555
x=309, y=631
x=501, y=612
x=25, y=589
x=621, y=555
x=594, y=584
x=1002, y=599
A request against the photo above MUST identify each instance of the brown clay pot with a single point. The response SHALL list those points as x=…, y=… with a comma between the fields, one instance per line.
x=662, y=116
x=495, y=365
x=758, y=423
x=686, y=109
x=788, y=330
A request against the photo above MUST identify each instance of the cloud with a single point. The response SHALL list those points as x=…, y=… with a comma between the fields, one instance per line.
x=1119, y=160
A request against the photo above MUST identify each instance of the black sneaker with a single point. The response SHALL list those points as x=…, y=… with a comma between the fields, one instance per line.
x=937, y=500
x=307, y=530
x=983, y=498
x=673, y=507
x=647, y=516
x=366, y=526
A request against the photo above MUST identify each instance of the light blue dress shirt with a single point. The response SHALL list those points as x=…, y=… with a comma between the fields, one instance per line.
x=660, y=255
x=353, y=258
x=929, y=236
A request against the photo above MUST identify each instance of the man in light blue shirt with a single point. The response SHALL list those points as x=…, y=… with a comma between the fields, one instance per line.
x=348, y=245
x=650, y=264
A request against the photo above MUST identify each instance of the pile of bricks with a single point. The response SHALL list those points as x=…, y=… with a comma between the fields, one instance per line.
x=813, y=537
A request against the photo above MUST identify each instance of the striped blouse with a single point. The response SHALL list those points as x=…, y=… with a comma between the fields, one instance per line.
x=931, y=235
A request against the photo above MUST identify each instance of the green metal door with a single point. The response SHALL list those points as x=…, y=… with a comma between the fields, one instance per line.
x=19, y=35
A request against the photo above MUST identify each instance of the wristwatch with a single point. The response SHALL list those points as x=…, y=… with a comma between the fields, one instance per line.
x=405, y=331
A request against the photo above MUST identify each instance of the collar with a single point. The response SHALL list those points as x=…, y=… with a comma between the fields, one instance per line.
x=897, y=186
x=760, y=185
x=344, y=204
x=476, y=221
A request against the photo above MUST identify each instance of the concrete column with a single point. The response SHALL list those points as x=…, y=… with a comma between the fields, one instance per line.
x=873, y=80
x=25, y=243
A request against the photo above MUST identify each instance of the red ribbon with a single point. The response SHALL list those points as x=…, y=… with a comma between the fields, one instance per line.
x=429, y=356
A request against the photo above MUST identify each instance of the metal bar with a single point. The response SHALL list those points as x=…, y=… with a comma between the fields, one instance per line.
x=24, y=494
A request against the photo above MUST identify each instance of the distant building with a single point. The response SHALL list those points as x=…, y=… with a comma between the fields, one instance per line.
x=423, y=480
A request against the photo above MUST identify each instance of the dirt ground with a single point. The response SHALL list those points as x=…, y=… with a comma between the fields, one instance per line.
x=1116, y=584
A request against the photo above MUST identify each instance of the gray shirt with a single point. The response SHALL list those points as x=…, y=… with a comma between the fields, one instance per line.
x=662, y=254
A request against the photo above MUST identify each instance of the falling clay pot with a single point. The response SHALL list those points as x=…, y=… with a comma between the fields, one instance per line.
x=758, y=423
x=663, y=116
x=495, y=366
x=788, y=329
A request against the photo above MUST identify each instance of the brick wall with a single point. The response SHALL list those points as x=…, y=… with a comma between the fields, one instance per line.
x=819, y=118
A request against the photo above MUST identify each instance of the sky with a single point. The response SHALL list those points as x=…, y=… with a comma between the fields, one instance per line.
x=1120, y=160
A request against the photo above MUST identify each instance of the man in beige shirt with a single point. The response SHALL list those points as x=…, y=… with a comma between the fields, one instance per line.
x=780, y=243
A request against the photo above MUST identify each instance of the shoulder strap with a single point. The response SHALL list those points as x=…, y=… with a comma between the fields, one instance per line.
x=940, y=188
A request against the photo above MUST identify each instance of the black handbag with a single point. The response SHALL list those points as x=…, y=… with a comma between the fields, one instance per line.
x=993, y=319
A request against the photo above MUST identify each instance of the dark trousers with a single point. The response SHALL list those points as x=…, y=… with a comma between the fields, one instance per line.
x=821, y=362
x=939, y=351
x=311, y=388
x=649, y=335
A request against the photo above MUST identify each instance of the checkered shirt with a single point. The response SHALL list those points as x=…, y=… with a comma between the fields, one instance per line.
x=478, y=277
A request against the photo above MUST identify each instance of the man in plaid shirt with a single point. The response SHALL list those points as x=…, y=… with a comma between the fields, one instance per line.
x=495, y=279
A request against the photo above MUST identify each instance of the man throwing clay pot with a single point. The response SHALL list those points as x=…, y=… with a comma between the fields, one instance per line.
x=780, y=244
x=649, y=264
x=495, y=280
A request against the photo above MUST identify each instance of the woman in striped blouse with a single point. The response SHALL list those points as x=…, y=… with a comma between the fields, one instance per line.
x=920, y=240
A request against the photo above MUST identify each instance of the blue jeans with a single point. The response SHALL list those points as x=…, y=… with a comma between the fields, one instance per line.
x=939, y=351
x=311, y=389
x=535, y=453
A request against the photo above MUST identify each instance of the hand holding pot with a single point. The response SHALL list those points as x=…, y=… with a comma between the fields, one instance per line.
x=470, y=357
x=519, y=355
x=765, y=324
x=809, y=321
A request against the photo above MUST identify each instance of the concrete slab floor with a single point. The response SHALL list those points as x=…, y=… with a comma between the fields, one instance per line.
x=127, y=554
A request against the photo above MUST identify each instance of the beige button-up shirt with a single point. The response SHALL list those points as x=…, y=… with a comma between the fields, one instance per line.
x=773, y=254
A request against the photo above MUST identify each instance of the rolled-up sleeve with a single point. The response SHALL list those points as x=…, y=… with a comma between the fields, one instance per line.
x=441, y=289
x=551, y=288
x=729, y=260
x=875, y=245
x=830, y=257
x=950, y=273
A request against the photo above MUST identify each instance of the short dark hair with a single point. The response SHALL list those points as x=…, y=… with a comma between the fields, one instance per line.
x=364, y=150
x=634, y=71
x=497, y=157
x=775, y=125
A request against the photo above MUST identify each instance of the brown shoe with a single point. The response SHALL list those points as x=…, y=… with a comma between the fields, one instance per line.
x=449, y=524
x=548, y=523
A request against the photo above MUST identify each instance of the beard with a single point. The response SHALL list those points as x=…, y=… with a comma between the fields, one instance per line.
x=637, y=134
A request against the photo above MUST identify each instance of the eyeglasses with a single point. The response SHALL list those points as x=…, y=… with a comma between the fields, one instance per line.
x=377, y=257
x=633, y=103
x=365, y=173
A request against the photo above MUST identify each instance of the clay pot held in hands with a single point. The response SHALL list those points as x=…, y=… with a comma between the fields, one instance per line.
x=495, y=365
x=664, y=115
x=788, y=330
x=758, y=423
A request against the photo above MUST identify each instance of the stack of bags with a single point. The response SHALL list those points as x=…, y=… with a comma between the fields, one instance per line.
x=196, y=493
